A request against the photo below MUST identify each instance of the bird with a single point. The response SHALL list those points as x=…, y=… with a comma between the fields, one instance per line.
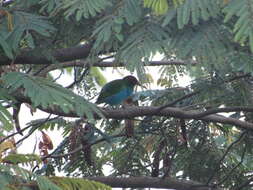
x=117, y=91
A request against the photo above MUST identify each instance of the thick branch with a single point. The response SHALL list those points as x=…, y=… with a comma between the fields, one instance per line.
x=135, y=111
x=144, y=182
x=150, y=182
x=174, y=112
x=61, y=55
x=67, y=56
x=112, y=64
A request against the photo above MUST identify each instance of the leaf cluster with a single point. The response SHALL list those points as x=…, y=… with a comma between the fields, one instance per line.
x=25, y=180
x=47, y=94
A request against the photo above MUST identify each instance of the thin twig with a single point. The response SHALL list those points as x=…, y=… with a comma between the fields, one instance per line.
x=76, y=81
x=40, y=70
x=178, y=100
x=228, y=109
x=29, y=70
x=245, y=184
x=217, y=168
x=80, y=147
x=59, y=76
x=236, y=166
x=51, y=155
x=31, y=132
x=13, y=134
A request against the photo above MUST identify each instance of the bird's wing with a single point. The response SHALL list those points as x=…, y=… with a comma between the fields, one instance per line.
x=110, y=88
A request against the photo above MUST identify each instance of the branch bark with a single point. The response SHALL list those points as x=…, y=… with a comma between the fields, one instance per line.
x=174, y=112
x=144, y=182
x=112, y=64
x=150, y=182
x=61, y=55
x=66, y=57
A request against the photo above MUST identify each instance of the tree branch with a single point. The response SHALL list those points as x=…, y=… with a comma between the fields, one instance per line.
x=233, y=169
x=150, y=182
x=112, y=64
x=66, y=57
x=140, y=111
x=132, y=112
x=142, y=182
x=61, y=55
x=217, y=168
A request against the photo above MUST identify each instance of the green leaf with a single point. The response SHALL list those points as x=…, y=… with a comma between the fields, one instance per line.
x=131, y=11
x=30, y=40
x=81, y=184
x=195, y=10
x=46, y=184
x=144, y=42
x=5, y=119
x=169, y=17
x=85, y=8
x=22, y=158
x=210, y=50
x=23, y=24
x=5, y=116
x=7, y=49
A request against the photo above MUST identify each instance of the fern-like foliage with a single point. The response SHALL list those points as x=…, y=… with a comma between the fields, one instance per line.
x=18, y=178
x=206, y=43
x=144, y=42
x=160, y=7
x=23, y=24
x=24, y=159
x=193, y=11
x=81, y=184
x=104, y=33
x=45, y=184
x=110, y=31
x=45, y=93
x=77, y=8
x=50, y=124
x=131, y=11
x=243, y=27
x=84, y=8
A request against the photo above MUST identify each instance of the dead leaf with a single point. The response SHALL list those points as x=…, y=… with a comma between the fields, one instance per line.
x=5, y=146
x=47, y=141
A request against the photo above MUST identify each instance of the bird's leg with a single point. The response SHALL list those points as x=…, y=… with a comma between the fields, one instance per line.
x=129, y=102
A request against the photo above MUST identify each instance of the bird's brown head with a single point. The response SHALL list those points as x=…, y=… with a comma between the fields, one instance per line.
x=131, y=80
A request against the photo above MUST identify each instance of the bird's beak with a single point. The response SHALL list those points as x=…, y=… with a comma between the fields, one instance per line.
x=139, y=84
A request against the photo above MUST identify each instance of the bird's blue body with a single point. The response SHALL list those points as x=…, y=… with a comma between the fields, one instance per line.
x=115, y=92
x=119, y=97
